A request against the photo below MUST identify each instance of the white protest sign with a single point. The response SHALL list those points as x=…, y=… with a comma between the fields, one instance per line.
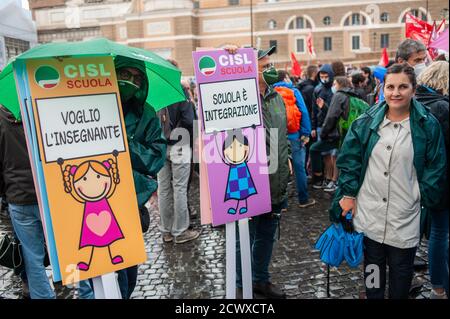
x=80, y=126
x=230, y=106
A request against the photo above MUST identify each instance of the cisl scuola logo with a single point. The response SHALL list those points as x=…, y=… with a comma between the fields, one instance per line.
x=47, y=77
x=207, y=65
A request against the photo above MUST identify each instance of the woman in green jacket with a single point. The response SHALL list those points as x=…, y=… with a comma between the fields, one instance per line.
x=392, y=169
x=146, y=144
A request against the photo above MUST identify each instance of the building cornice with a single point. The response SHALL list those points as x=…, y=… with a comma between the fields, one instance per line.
x=260, y=33
x=244, y=10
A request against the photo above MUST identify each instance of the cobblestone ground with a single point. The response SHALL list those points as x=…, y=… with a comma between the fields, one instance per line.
x=197, y=269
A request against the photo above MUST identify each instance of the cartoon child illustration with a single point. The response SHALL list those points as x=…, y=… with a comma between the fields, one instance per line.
x=240, y=185
x=92, y=183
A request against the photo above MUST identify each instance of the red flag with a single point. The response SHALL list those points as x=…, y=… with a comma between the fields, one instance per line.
x=310, y=45
x=296, y=69
x=417, y=29
x=384, y=60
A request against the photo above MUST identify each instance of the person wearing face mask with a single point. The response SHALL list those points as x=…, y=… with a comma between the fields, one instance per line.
x=263, y=228
x=323, y=90
x=146, y=144
x=298, y=136
x=330, y=134
x=414, y=53
x=392, y=172
x=433, y=93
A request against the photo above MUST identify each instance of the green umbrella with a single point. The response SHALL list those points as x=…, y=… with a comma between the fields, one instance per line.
x=8, y=93
x=163, y=78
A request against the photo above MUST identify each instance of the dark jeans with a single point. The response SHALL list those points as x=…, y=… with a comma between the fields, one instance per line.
x=127, y=281
x=298, y=163
x=438, y=250
x=401, y=269
x=263, y=229
x=315, y=152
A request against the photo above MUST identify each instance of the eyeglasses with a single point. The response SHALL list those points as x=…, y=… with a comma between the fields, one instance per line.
x=267, y=66
x=124, y=74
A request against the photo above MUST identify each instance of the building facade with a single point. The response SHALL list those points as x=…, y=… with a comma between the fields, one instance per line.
x=354, y=31
x=17, y=30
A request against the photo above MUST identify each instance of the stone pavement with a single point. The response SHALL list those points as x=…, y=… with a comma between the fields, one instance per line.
x=197, y=269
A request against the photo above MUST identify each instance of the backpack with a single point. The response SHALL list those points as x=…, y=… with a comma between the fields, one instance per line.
x=356, y=107
x=293, y=114
x=166, y=123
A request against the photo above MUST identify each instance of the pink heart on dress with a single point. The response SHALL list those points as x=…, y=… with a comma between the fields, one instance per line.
x=99, y=224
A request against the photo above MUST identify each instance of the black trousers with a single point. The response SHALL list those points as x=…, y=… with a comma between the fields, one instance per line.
x=401, y=269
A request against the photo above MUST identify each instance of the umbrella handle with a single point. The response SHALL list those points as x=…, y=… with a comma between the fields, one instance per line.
x=328, y=281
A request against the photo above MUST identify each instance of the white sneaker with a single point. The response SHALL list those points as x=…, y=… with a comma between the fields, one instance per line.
x=331, y=187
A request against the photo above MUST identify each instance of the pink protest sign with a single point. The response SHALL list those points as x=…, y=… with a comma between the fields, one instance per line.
x=232, y=136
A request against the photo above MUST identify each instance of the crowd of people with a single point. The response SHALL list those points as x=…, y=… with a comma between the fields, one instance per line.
x=375, y=137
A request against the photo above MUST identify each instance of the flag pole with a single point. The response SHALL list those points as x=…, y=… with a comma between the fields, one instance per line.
x=251, y=21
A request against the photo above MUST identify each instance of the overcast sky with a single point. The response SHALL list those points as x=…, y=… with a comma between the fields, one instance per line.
x=25, y=4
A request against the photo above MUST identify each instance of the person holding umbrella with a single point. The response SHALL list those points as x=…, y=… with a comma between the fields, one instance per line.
x=145, y=141
x=137, y=71
x=392, y=171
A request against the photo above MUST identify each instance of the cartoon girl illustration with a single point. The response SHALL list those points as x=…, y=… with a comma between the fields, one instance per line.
x=240, y=185
x=92, y=183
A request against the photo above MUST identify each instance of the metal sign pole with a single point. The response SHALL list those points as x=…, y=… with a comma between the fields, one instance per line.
x=106, y=287
x=230, y=241
x=246, y=259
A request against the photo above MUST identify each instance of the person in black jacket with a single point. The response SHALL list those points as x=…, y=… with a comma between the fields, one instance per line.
x=370, y=82
x=329, y=134
x=359, y=85
x=433, y=93
x=306, y=87
x=18, y=189
x=177, y=122
x=324, y=92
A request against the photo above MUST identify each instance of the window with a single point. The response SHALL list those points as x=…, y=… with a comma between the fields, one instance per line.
x=196, y=5
x=233, y=2
x=327, y=44
x=384, y=17
x=355, y=19
x=272, y=24
x=300, y=23
x=273, y=43
x=122, y=32
x=415, y=12
x=356, y=42
x=384, y=41
x=418, y=14
x=327, y=20
x=14, y=47
x=300, y=45
x=271, y=1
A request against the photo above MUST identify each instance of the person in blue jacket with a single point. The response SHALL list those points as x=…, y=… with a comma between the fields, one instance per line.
x=298, y=140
